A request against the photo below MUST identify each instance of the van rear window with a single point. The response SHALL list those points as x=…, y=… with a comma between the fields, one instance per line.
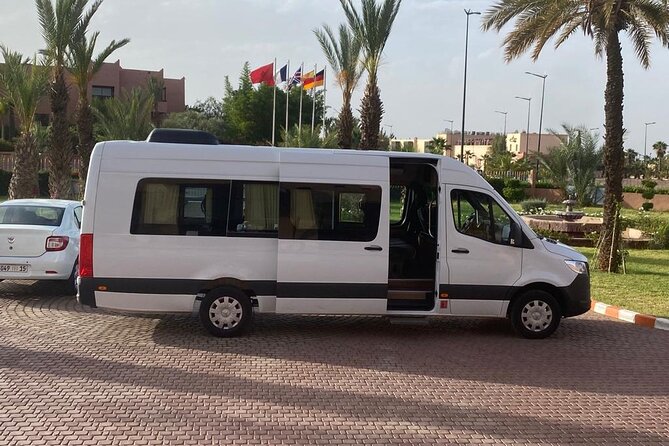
x=31, y=215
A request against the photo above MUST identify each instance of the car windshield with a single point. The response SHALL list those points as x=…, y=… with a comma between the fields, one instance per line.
x=31, y=215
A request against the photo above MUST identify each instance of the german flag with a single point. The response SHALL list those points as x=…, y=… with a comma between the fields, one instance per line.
x=311, y=81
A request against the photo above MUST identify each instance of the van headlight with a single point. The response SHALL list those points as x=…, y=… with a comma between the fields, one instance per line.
x=577, y=266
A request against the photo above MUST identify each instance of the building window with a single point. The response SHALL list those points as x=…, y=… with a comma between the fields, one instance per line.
x=163, y=96
x=103, y=92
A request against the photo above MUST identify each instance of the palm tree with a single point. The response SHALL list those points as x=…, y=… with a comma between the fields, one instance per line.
x=83, y=66
x=156, y=87
x=372, y=25
x=538, y=21
x=437, y=146
x=4, y=108
x=24, y=84
x=124, y=117
x=59, y=23
x=660, y=148
x=343, y=56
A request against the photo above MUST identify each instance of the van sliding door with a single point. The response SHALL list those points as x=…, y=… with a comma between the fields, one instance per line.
x=333, y=234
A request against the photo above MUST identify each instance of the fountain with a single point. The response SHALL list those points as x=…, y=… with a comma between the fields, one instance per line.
x=575, y=225
x=569, y=213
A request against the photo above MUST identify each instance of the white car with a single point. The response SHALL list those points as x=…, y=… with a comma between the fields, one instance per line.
x=39, y=240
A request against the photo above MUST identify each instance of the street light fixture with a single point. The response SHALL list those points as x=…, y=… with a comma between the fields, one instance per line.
x=527, y=136
x=503, y=113
x=450, y=135
x=541, y=114
x=645, y=138
x=464, y=89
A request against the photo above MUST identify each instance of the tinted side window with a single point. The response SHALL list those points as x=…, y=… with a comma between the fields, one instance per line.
x=180, y=207
x=329, y=212
x=254, y=209
x=478, y=215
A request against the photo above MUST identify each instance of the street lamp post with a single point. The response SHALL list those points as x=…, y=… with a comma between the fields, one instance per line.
x=541, y=114
x=503, y=113
x=464, y=89
x=645, y=138
x=527, y=135
x=450, y=135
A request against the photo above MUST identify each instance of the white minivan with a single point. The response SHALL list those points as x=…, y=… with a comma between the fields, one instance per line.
x=223, y=231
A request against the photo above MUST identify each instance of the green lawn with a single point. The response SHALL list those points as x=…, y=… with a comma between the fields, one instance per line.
x=596, y=210
x=645, y=287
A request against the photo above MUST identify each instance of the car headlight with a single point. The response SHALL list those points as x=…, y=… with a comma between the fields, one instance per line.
x=577, y=266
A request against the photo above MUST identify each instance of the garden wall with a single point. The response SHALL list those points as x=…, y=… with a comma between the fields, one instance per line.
x=633, y=200
x=550, y=195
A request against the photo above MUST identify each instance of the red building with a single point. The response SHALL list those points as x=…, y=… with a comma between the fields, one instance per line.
x=109, y=82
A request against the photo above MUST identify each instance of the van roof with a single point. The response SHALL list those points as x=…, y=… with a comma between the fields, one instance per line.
x=141, y=150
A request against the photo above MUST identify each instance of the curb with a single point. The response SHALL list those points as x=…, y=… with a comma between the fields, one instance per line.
x=630, y=316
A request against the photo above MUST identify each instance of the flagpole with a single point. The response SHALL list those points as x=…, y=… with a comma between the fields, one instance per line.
x=287, y=95
x=299, y=127
x=325, y=89
x=274, y=106
x=313, y=102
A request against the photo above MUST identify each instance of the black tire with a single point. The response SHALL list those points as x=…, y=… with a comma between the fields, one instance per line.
x=535, y=314
x=226, y=312
x=71, y=282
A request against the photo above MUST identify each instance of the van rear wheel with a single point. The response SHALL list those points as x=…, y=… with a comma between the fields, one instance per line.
x=536, y=314
x=226, y=312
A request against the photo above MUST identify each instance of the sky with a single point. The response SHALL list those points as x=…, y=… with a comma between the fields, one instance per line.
x=421, y=77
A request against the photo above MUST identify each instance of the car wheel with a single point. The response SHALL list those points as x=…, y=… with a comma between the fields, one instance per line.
x=535, y=314
x=71, y=282
x=226, y=312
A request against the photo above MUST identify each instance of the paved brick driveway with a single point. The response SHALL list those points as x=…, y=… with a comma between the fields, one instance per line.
x=70, y=375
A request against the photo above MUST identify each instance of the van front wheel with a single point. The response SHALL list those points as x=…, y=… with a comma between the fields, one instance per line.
x=226, y=312
x=536, y=314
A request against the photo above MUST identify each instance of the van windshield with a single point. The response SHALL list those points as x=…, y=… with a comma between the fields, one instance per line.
x=31, y=215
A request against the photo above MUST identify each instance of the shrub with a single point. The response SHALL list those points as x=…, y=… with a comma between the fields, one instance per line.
x=647, y=206
x=514, y=190
x=533, y=204
x=6, y=146
x=496, y=183
x=648, y=194
x=661, y=236
x=649, y=184
x=543, y=184
x=513, y=194
x=512, y=182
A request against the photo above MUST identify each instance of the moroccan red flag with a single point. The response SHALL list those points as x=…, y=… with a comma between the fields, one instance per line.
x=263, y=74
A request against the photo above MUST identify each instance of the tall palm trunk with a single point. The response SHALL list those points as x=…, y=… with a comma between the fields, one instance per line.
x=609, y=254
x=59, y=154
x=346, y=125
x=371, y=113
x=86, y=141
x=24, y=181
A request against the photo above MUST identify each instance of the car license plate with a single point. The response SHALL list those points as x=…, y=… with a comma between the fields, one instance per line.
x=14, y=268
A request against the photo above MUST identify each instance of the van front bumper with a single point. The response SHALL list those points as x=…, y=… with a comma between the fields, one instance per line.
x=577, y=296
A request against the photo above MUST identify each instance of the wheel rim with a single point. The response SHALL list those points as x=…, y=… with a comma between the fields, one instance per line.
x=225, y=312
x=536, y=316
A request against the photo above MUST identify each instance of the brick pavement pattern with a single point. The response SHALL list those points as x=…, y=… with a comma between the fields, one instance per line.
x=76, y=376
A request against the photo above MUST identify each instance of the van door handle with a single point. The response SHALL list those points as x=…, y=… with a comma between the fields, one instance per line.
x=373, y=248
x=460, y=251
